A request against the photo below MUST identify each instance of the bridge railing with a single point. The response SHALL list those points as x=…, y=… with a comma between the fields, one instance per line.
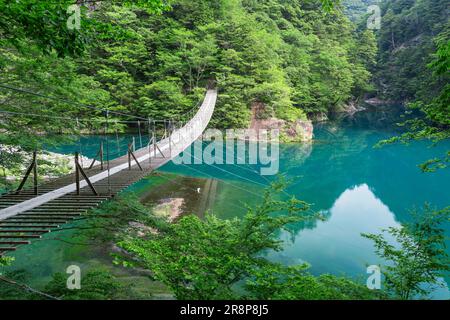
x=184, y=136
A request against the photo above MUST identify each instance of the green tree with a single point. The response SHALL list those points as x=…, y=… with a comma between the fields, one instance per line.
x=96, y=284
x=221, y=259
x=204, y=259
x=45, y=24
x=405, y=44
x=276, y=282
x=420, y=258
x=434, y=123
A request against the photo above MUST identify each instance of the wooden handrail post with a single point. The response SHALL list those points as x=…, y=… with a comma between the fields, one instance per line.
x=77, y=173
x=31, y=167
x=101, y=155
x=87, y=180
x=129, y=156
x=35, y=173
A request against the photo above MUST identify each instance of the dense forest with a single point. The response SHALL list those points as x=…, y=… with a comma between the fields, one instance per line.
x=295, y=58
x=406, y=43
x=298, y=60
x=412, y=67
x=355, y=10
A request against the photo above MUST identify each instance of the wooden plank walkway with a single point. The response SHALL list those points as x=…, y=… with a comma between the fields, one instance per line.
x=26, y=216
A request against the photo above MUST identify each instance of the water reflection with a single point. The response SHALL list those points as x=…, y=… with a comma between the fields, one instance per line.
x=336, y=245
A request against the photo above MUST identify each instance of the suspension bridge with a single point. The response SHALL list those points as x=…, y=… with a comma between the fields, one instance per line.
x=29, y=213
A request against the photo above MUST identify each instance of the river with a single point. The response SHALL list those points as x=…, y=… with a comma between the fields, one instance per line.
x=358, y=188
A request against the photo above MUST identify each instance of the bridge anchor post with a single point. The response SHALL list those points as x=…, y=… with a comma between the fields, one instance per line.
x=32, y=167
x=131, y=154
x=78, y=170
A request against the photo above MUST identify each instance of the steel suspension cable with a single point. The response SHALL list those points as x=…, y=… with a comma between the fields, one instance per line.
x=140, y=136
x=66, y=101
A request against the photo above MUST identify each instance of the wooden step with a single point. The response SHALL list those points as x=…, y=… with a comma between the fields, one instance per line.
x=29, y=236
x=54, y=226
x=7, y=249
x=24, y=231
x=37, y=221
x=14, y=242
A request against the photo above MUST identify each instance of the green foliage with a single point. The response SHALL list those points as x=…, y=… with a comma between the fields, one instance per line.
x=204, y=259
x=5, y=261
x=357, y=9
x=319, y=55
x=434, y=125
x=9, y=291
x=295, y=65
x=290, y=55
x=276, y=282
x=44, y=23
x=405, y=43
x=420, y=257
x=221, y=259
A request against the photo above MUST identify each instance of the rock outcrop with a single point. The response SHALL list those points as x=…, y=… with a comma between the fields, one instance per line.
x=298, y=130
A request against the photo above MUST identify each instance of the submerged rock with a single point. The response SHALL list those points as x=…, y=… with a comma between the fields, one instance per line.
x=377, y=102
x=352, y=107
x=142, y=229
x=169, y=208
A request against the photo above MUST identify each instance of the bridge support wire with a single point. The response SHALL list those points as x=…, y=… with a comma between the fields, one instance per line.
x=117, y=141
x=99, y=155
x=140, y=135
x=150, y=140
x=107, y=151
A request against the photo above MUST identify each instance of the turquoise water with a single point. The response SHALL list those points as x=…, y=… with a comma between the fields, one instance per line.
x=357, y=187
x=88, y=146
